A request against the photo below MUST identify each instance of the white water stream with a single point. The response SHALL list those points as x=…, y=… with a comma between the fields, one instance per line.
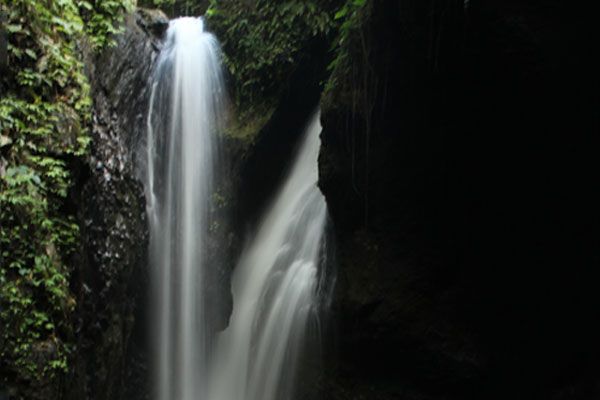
x=181, y=166
x=275, y=283
x=275, y=289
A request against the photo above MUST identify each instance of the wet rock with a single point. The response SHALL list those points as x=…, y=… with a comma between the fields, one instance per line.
x=68, y=125
x=154, y=22
x=111, y=274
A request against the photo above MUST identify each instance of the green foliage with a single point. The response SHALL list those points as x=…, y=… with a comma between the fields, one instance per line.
x=156, y=3
x=262, y=41
x=45, y=109
x=34, y=291
x=103, y=18
x=349, y=18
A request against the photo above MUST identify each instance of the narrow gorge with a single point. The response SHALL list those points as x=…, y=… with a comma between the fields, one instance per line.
x=298, y=200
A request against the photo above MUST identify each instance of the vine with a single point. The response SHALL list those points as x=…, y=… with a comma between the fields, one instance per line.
x=354, y=82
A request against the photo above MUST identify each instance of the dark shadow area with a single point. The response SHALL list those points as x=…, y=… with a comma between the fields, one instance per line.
x=266, y=167
x=468, y=230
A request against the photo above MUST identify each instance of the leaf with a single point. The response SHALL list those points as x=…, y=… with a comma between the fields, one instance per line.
x=341, y=13
x=31, y=54
x=5, y=141
x=86, y=5
x=14, y=28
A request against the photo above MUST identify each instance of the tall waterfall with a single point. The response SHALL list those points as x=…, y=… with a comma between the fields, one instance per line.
x=275, y=289
x=181, y=162
x=276, y=283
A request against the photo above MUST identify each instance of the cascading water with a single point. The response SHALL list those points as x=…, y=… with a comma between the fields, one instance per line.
x=275, y=289
x=276, y=283
x=181, y=162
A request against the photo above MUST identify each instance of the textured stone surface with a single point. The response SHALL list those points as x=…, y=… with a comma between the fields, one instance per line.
x=112, y=272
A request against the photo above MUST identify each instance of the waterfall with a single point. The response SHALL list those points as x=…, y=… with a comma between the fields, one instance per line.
x=275, y=289
x=276, y=283
x=181, y=163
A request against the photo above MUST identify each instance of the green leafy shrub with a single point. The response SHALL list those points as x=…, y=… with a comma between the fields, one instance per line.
x=45, y=110
x=348, y=47
x=262, y=43
x=102, y=19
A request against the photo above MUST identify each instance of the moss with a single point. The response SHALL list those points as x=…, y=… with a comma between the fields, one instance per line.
x=246, y=127
x=263, y=42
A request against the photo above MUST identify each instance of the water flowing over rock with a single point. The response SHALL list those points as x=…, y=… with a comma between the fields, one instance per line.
x=275, y=289
x=276, y=283
x=447, y=195
x=181, y=163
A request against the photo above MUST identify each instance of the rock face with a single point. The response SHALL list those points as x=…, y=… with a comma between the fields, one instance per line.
x=458, y=168
x=112, y=267
x=382, y=170
x=458, y=196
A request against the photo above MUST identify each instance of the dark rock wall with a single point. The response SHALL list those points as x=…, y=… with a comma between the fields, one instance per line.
x=462, y=204
x=459, y=170
x=111, y=277
x=264, y=165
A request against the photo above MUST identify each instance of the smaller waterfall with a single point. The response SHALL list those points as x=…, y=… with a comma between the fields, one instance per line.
x=275, y=289
x=181, y=165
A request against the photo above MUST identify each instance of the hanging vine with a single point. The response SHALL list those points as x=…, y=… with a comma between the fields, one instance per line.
x=354, y=80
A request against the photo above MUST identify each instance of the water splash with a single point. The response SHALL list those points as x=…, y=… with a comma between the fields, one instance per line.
x=181, y=163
